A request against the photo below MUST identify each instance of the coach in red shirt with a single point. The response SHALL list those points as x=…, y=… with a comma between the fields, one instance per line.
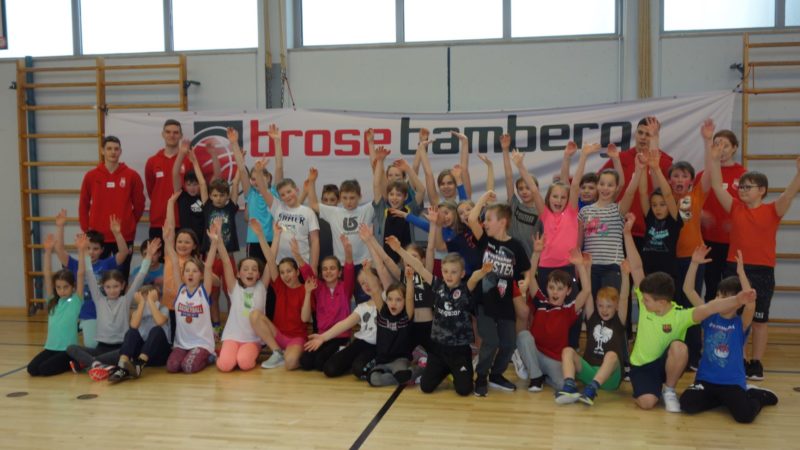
x=628, y=159
x=158, y=176
x=111, y=188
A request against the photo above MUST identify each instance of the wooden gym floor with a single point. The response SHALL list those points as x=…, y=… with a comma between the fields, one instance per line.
x=277, y=409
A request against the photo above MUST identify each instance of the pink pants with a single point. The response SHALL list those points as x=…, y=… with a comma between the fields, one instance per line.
x=235, y=353
x=187, y=361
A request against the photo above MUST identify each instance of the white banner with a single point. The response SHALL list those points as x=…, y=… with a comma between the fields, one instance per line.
x=333, y=141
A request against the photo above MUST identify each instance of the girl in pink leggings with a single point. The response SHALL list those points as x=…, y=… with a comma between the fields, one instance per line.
x=240, y=343
x=194, y=335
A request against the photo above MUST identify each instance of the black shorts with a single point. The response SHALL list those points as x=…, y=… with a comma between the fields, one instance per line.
x=762, y=279
x=649, y=378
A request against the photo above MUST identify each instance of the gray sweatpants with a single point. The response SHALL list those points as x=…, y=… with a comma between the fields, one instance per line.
x=497, y=344
x=384, y=374
x=537, y=363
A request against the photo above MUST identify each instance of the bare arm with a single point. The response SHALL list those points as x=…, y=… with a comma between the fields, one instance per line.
x=474, y=220
x=725, y=199
x=489, y=174
x=635, y=261
x=313, y=240
x=413, y=180
x=208, y=273
x=702, y=312
x=409, y=292
x=566, y=161
x=388, y=271
x=271, y=272
x=698, y=257
x=183, y=149
x=122, y=246
x=238, y=156
x=518, y=159
x=275, y=135
x=707, y=133
x=625, y=292
x=575, y=186
x=415, y=264
x=613, y=154
x=305, y=310
x=61, y=252
x=136, y=315
x=430, y=182
x=464, y=161
x=313, y=201
x=505, y=146
x=478, y=275
x=784, y=202
x=82, y=243
x=261, y=181
x=315, y=340
x=47, y=265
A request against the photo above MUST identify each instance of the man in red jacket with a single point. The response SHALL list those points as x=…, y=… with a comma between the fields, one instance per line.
x=158, y=176
x=628, y=160
x=112, y=189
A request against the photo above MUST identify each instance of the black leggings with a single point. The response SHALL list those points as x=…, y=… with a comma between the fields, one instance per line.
x=421, y=335
x=316, y=360
x=49, y=362
x=703, y=396
x=156, y=347
x=356, y=358
x=444, y=360
x=715, y=268
x=85, y=356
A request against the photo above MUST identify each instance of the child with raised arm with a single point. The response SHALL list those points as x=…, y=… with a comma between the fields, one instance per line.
x=720, y=378
x=113, y=316
x=754, y=229
x=147, y=341
x=661, y=218
x=255, y=205
x=600, y=227
x=499, y=292
x=154, y=276
x=331, y=303
x=552, y=315
x=716, y=222
x=64, y=291
x=524, y=214
x=248, y=292
x=220, y=203
x=588, y=181
x=287, y=333
x=659, y=354
x=451, y=331
x=88, y=316
x=297, y=221
x=394, y=197
x=600, y=367
x=393, y=343
x=190, y=202
x=358, y=356
x=448, y=187
x=193, y=346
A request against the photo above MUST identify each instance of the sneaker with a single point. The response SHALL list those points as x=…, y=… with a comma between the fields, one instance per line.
x=74, y=367
x=755, y=371
x=626, y=373
x=500, y=382
x=130, y=368
x=422, y=362
x=403, y=376
x=589, y=393
x=567, y=394
x=671, y=402
x=101, y=372
x=764, y=396
x=692, y=368
x=536, y=384
x=274, y=360
x=119, y=374
x=481, y=387
x=519, y=366
x=138, y=367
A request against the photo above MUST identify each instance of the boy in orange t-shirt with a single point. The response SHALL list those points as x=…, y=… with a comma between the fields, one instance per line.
x=754, y=232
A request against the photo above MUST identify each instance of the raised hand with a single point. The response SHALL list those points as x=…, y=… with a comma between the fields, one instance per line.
x=489, y=196
x=575, y=257
x=523, y=286
x=538, y=243
x=153, y=247
x=641, y=161
x=274, y=132
x=184, y=148
x=739, y=262
x=612, y=151
x=653, y=127
x=629, y=221
x=456, y=171
x=402, y=164
x=653, y=158
x=485, y=159
x=174, y=197
x=393, y=243
x=233, y=135
x=746, y=296
x=716, y=151
x=61, y=218
x=707, y=129
x=310, y=284
x=255, y=225
x=461, y=136
x=152, y=296
x=294, y=246
x=590, y=149
x=369, y=135
x=409, y=274
x=571, y=148
x=138, y=299
x=364, y=232
x=81, y=241
x=505, y=141
x=700, y=253
x=381, y=152
x=258, y=167
x=346, y=244
x=114, y=225
x=424, y=135
x=313, y=174
x=487, y=267
x=49, y=242
x=517, y=158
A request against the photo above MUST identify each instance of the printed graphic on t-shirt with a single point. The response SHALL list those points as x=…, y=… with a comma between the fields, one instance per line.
x=247, y=302
x=188, y=311
x=525, y=217
x=656, y=238
x=595, y=226
x=502, y=259
x=685, y=208
x=226, y=225
x=350, y=224
x=602, y=334
x=291, y=222
x=197, y=206
x=718, y=341
x=367, y=325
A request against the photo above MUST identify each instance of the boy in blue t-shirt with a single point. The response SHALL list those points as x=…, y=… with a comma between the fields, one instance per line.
x=88, y=315
x=720, y=376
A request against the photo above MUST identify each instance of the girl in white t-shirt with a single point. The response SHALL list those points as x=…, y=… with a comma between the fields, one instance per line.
x=240, y=344
x=358, y=357
x=193, y=346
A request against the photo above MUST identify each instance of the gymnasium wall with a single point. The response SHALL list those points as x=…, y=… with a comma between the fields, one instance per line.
x=415, y=78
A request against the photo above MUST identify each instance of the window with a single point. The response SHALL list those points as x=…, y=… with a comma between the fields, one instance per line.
x=687, y=15
x=327, y=22
x=792, y=13
x=440, y=20
x=38, y=28
x=562, y=18
x=211, y=25
x=122, y=26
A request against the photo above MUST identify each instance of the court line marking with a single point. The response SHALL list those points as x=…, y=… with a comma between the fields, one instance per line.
x=13, y=371
x=21, y=345
x=24, y=321
x=371, y=426
x=790, y=372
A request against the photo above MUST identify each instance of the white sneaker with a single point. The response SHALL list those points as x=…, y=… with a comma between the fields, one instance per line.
x=274, y=360
x=519, y=366
x=671, y=402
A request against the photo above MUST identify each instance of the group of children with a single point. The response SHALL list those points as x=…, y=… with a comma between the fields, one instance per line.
x=515, y=277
